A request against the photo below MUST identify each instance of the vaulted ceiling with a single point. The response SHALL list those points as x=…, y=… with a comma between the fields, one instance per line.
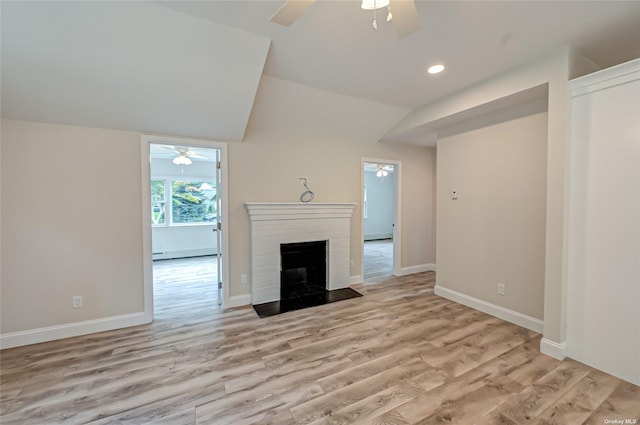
x=333, y=46
x=195, y=67
x=129, y=66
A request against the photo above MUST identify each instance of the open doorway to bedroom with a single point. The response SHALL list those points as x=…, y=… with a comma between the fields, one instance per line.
x=185, y=212
x=380, y=224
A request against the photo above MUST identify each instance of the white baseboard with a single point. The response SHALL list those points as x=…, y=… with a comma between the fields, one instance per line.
x=355, y=279
x=503, y=313
x=239, y=301
x=553, y=349
x=429, y=267
x=51, y=333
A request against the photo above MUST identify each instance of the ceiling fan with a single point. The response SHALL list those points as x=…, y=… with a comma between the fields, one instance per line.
x=383, y=170
x=183, y=154
x=405, y=18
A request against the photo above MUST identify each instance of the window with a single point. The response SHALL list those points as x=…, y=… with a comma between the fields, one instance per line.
x=192, y=201
x=157, y=201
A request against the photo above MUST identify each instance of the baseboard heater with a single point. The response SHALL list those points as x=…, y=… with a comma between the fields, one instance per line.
x=378, y=236
x=186, y=253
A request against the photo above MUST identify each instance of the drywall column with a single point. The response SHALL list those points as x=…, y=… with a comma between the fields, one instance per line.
x=553, y=342
x=562, y=68
x=604, y=232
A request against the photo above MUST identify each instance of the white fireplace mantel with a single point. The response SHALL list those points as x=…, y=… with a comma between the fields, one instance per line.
x=298, y=210
x=276, y=223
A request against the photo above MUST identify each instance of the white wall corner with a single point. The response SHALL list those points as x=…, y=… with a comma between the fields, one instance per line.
x=429, y=267
x=355, y=279
x=500, y=312
x=238, y=301
x=68, y=330
x=557, y=350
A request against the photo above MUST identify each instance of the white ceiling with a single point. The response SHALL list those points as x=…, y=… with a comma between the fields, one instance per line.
x=371, y=167
x=332, y=45
x=192, y=68
x=128, y=66
x=168, y=152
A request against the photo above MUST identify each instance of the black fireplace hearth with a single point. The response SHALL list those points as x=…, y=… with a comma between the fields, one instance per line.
x=303, y=280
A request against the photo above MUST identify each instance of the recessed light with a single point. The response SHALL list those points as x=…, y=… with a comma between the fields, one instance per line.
x=435, y=69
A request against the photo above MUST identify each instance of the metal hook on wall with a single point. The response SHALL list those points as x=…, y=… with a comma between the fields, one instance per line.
x=307, y=195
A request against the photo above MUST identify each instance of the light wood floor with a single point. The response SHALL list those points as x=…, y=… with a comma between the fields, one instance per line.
x=398, y=355
x=378, y=260
x=188, y=282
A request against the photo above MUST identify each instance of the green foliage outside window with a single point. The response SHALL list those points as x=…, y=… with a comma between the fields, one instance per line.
x=191, y=201
x=157, y=202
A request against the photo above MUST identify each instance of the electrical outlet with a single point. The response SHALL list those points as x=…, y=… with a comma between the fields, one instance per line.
x=77, y=301
x=501, y=288
x=243, y=279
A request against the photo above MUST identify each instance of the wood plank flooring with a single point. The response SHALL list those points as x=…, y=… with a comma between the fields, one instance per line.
x=397, y=355
x=192, y=282
x=378, y=259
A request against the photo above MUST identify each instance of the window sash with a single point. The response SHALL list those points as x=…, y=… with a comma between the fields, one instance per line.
x=191, y=199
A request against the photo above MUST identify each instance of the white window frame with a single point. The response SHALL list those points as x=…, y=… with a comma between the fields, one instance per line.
x=168, y=212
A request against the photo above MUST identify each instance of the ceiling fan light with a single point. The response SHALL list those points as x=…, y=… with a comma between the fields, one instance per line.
x=379, y=173
x=374, y=4
x=181, y=160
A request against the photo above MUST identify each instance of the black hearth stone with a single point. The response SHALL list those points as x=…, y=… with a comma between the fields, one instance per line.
x=282, y=306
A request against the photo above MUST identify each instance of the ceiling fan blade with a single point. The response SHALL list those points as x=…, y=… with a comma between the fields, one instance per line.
x=192, y=154
x=169, y=147
x=405, y=17
x=290, y=11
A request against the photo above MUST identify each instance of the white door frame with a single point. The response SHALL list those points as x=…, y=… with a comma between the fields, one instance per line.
x=397, y=214
x=146, y=140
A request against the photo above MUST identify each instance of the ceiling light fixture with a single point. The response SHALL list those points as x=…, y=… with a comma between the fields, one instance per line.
x=182, y=160
x=435, y=69
x=375, y=5
x=382, y=172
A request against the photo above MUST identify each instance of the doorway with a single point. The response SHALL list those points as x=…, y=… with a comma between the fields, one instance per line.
x=380, y=219
x=184, y=221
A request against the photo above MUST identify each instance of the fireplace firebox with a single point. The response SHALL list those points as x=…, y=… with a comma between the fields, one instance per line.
x=303, y=271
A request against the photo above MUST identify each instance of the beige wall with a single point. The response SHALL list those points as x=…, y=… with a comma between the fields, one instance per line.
x=553, y=70
x=495, y=231
x=299, y=131
x=71, y=224
x=71, y=203
x=265, y=167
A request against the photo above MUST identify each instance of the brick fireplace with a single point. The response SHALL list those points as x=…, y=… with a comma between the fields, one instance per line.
x=278, y=223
